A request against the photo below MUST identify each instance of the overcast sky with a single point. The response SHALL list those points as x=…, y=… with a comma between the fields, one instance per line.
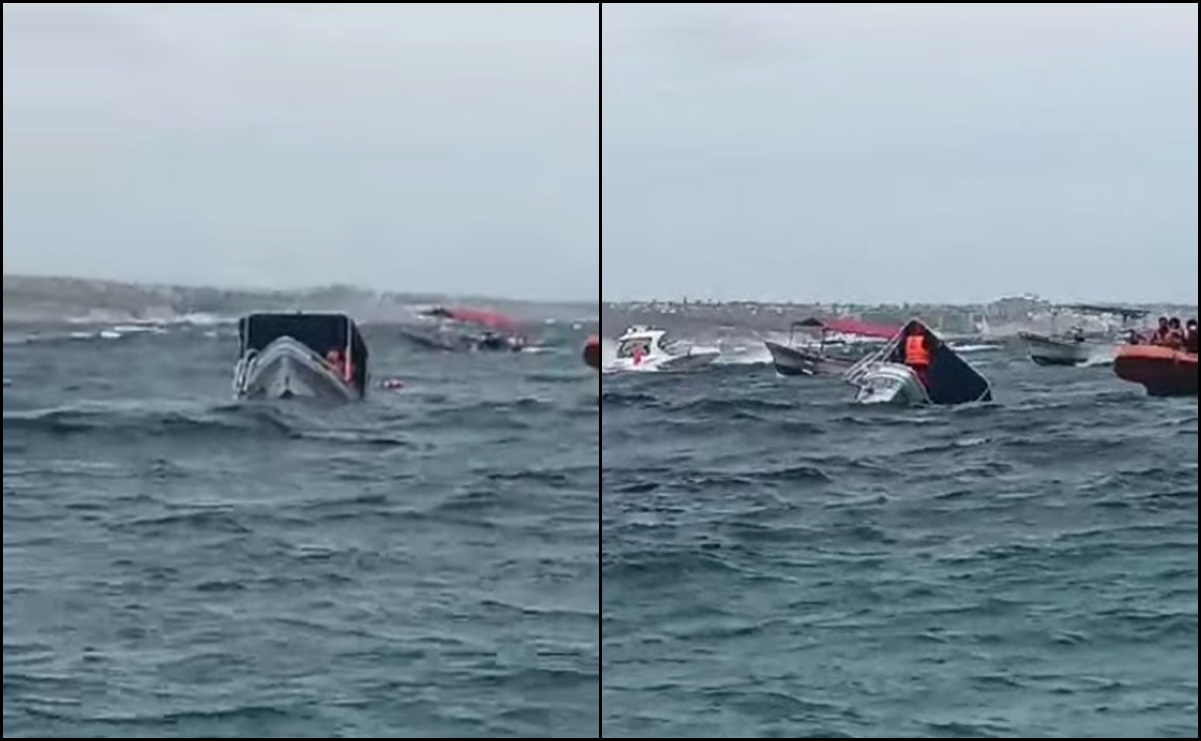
x=899, y=151
x=425, y=147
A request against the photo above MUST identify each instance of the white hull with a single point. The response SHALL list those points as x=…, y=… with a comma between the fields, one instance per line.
x=693, y=361
x=889, y=383
x=286, y=369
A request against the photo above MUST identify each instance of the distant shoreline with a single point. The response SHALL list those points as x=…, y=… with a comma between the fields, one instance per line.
x=30, y=298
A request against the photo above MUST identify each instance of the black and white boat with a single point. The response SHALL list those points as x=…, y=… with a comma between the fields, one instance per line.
x=885, y=378
x=321, y=356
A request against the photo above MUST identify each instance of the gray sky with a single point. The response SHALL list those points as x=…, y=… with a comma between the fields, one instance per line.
x=899, y=151
x=425, y=147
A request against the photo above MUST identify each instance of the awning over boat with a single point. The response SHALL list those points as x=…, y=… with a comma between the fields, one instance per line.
x=489, y=319
x=846, y=325
x=1126, y=312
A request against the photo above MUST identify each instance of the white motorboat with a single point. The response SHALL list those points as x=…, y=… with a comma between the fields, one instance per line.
x=1071, y=349
x=642, y=349
x=283, y=356
x=884, y=378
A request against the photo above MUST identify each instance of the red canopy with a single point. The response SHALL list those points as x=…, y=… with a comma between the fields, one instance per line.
x=489, y=319
x=844, y=325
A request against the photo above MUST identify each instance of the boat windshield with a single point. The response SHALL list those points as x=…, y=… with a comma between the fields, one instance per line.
x=636, y=345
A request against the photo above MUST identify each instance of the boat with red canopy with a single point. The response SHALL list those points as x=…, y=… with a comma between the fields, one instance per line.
x=830, y=346
x=466, y=329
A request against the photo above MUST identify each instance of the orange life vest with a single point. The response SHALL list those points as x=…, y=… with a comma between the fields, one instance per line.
x=916, y=353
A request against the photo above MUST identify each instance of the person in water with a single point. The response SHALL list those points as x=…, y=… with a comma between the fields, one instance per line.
x=917, y=354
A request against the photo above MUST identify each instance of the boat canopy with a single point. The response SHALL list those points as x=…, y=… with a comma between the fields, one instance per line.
x=845, y=325
x=489, y=319
x=319, y=332
x=1125, y=312
x=950, y=379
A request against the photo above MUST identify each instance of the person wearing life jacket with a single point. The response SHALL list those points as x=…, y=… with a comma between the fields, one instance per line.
x=340, y=364
x=917, y=354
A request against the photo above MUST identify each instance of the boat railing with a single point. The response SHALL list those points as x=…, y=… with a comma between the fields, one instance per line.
x=242, y=368
x=856, y=373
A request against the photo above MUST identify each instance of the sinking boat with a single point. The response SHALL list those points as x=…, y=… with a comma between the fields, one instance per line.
x=282, y=356
x=884, y=378
x=828, y=352
x=592, y=352
x=642, y=349
x=1163, y=371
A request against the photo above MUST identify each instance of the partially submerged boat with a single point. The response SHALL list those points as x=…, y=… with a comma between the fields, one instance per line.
x=1163, y=371
x=642, y=349
x=282, y=356
x=884, y=377
x=825, y=348
x=464, y=330
x=592, y=352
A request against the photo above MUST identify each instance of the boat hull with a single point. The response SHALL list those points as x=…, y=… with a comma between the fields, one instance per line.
x=1045, y=350
x=890, y=383
x=1161, y=370
x=690, y=363
x=797, y=361
x=288, y=369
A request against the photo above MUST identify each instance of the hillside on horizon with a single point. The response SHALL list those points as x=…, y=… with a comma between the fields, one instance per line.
x=33, y=298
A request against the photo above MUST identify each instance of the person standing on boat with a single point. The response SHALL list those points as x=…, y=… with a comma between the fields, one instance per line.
x=917, y=354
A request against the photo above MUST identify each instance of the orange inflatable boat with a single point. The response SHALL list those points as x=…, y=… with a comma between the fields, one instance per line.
x=1161, y=370
x=592, y=352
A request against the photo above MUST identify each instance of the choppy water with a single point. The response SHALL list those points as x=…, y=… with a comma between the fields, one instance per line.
x=175, y=565
x=779, y=563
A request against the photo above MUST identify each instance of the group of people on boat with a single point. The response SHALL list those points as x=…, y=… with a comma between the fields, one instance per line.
x=1169, y=333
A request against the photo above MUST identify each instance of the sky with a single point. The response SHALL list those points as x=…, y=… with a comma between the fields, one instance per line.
x=899, y=151
x=420, y=147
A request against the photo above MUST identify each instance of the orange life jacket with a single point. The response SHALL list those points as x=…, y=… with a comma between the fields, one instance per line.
x=916, y=353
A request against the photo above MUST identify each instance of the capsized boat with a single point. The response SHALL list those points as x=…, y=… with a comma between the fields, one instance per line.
x=1163, y=371
x=829, y=351
x=884, y=378
x=282, y=356
x=642, y=349
x=592, y=352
